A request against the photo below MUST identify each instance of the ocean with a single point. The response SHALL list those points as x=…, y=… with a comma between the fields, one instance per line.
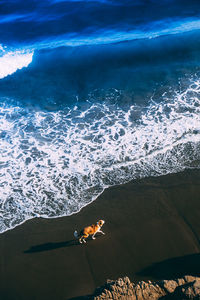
x=93, y=94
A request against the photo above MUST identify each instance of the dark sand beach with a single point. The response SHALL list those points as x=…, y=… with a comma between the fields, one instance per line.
x=152, y=231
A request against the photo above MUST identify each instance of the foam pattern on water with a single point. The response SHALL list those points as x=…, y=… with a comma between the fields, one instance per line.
x=11, y=61
x=54, y=163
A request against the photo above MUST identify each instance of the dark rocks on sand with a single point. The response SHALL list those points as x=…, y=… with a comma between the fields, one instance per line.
x=184, y=288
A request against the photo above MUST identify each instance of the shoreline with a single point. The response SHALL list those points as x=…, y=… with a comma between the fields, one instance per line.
x=149, y=221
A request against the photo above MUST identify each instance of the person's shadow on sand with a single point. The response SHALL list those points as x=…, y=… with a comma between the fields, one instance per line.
x=51, y=246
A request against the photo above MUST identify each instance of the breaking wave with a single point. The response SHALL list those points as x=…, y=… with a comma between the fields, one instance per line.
x=11, y=61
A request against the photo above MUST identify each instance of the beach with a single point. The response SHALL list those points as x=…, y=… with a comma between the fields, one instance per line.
x=152, y=229
x=99, y=119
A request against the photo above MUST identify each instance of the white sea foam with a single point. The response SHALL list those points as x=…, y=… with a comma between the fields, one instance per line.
x=11, y=61
x=53, y=164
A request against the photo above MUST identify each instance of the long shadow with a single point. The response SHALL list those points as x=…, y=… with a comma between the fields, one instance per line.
x=174, y=267
x=51, y=246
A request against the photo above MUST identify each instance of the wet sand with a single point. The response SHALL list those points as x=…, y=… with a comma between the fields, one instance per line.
x=152, y=231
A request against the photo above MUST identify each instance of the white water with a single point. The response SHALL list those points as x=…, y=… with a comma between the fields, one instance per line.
x=54, y=163
x=11, y=61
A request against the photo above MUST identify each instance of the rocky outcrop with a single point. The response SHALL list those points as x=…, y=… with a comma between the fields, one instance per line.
x=185, y=288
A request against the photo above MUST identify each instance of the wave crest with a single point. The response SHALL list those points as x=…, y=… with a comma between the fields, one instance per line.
x=11, y=61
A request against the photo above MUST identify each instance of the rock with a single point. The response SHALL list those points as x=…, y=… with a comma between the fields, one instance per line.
x=184, y=288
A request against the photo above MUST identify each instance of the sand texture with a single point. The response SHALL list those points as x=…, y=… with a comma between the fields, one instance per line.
x=152, y=232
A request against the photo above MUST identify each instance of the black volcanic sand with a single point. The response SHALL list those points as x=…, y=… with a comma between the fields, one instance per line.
x=152, y=231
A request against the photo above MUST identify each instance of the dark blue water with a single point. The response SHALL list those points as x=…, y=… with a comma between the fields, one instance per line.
x=79, y=46
x=93, y=94
x=50, y=23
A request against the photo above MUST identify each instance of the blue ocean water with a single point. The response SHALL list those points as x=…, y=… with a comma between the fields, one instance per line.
x=93, y=94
